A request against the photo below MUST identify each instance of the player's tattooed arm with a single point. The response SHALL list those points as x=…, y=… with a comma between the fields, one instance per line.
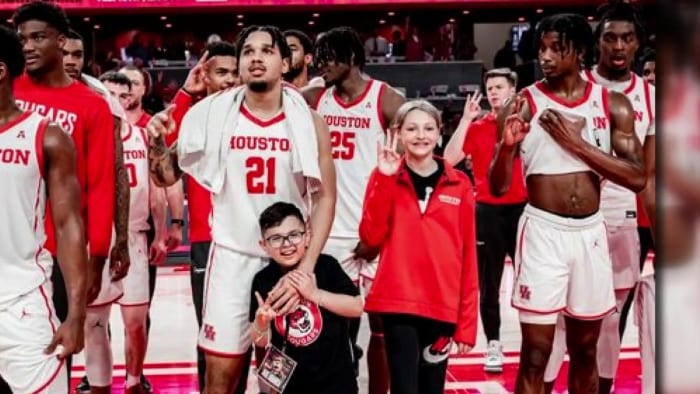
x=162, y=162
x=121, y=208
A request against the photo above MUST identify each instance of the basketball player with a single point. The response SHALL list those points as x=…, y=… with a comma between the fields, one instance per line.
x=46, y=89
x=496, y=217
x=132, y=292
x=358, y=111
x=216, y=70
x=565, y=129
x=619, y=34
x=37, y=160
x=175, y=195
x=649, y=67
x=263, y=57
x=302, y=55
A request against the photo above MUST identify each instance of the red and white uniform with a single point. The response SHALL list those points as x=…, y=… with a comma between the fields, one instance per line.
x=355, y=129
x=133, y=289
x=27, y=317
x=618, y=204
x=258, y=174
x=562, y=264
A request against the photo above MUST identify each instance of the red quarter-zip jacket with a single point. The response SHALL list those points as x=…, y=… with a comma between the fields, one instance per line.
x=427, y=264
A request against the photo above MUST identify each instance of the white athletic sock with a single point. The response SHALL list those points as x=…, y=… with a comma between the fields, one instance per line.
x=132, y=380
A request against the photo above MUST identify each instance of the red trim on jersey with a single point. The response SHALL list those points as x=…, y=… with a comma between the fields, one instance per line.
x=318, y=99
x=113, y=301
x=355, y=101
x=380, y=114
x=145, y=138
x=39, y=145
x=48, y=308
x=593, y=317
x=128, y=134
x=262, y=123
x=647, y=97
x=590, y=76
x=14, y=122
x=520, y=248
x=530, y=102
x=606, y=102
x=219, y=354
x=535, y=311
x=571, y=104
x=36, y=223
x=51, y=378
x=633, y=83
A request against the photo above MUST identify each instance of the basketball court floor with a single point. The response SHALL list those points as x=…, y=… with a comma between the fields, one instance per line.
x=171, y=361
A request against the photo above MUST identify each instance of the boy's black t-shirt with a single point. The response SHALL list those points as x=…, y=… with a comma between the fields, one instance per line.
x=319, y=341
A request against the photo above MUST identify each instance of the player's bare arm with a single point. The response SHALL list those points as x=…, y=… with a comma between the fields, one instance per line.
x=175, y=196
x=159, y=207
x=284, y=297
x=391, y=101
x=627, y=167
x=119, y=256
x=513, y=123
x=162, y=162
x=64, y=196
x=323, y=199
x=649, y=193
x=311, y=94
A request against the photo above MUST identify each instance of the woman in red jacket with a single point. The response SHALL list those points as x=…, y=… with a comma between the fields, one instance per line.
x=420, y=211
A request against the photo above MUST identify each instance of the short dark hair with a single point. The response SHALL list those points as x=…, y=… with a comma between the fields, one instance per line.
x=340, y=44
x=505, y=72
x=43, y=11
x=74, y=35
x=221, y=48
x=574, y=31
x=278, y=39
x=116, y=77
x=649, y=56
x=303, y=39
x=11, y=52
x=618, y=10
x=147, y=82
x=275, y=214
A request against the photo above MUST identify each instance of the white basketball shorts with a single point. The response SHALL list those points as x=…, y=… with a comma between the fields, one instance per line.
x=624, y=253
x=228, y=282
x=135, y=283
x=360, y=271
x=27, y=327
x=562, y=264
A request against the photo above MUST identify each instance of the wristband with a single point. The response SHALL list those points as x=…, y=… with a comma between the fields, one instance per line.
x=179, y=222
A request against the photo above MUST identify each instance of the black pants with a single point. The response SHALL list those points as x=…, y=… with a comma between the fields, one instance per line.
x=60, y=304
x=496, y=233
x=417, y=350
x=646, y=244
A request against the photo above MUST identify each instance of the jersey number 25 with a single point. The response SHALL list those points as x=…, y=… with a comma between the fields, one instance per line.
x=343, y=144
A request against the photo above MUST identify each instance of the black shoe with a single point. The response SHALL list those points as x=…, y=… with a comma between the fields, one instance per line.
x=357, y=354
x=146, y=384
x=83, y=386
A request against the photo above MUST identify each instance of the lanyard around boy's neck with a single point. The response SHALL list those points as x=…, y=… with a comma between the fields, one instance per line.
x=286, y=333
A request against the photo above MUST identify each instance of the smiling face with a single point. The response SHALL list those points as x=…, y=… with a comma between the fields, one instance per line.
x=287, y=242
x=419, y=133
x=261, y=63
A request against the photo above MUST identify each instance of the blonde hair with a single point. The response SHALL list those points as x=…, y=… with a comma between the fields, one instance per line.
x=416, y=105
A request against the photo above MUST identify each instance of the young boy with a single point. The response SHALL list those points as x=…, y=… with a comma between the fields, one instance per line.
x=318, y=338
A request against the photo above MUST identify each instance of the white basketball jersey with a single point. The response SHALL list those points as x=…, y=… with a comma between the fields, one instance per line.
x=618, y=204
x=258, y=174
x=541, y=154
x=24, y=262
x=355, y=129
x=136, y=163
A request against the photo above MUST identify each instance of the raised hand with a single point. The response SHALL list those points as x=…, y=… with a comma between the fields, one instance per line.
x=162, y=123
x=515, y=126
x=388, y=160
x=264, y=314
x=472, y=106
x=196, y=79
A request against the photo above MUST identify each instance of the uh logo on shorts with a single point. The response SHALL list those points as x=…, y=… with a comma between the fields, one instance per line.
x=438, y=351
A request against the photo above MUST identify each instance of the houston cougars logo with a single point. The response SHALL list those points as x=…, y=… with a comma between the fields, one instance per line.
x=305, y=324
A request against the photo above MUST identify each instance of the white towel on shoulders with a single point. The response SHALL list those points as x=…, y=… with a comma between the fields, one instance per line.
x=208, y=126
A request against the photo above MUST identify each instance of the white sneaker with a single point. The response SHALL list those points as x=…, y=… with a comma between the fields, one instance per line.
x=494, y=358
